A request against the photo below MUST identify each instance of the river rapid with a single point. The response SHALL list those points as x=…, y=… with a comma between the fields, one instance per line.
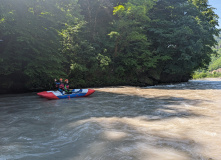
x=165, y=122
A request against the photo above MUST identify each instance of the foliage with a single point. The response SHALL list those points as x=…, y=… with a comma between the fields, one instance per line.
x=216, y=57
x=31, y=48
x=131, y=54
x=205, y=74
x=104, y=42
x=183, y=31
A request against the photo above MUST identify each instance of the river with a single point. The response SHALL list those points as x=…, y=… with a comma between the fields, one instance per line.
x=165, y=122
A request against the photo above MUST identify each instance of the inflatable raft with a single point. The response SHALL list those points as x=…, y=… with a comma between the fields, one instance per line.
x=58, y=95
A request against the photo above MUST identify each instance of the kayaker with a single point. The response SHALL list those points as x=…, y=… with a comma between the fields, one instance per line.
x=66, y=87
x=59, y=85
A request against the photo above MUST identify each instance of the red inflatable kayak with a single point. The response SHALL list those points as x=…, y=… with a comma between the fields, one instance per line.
x=58, y=95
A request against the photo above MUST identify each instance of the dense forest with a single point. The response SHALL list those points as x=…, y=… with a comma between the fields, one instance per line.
x=103, y=42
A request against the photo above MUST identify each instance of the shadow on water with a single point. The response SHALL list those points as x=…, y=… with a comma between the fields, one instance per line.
x=103, y=126
x=121, y=129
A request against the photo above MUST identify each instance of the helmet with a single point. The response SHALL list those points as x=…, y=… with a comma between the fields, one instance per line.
x=61, y=79
x=66, y=80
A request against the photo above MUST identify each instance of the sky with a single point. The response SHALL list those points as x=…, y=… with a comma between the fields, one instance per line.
x=216, y=4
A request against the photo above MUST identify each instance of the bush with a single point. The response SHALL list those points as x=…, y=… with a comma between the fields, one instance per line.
x=205, y=74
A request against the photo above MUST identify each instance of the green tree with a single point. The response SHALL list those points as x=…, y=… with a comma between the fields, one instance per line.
x=30, y=52
x=184, y=31
x=132, y=58
x=88, y=45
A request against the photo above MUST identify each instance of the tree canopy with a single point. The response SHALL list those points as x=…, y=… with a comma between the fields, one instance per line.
x=103, y=42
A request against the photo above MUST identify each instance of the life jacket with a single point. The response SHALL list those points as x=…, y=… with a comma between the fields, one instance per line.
x=66, y=86
x=61, y=85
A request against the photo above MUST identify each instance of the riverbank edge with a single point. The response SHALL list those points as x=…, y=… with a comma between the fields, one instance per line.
x=102, y=86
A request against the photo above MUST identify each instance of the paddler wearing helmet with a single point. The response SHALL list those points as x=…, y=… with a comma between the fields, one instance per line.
x=59, y=84
x=66, y=87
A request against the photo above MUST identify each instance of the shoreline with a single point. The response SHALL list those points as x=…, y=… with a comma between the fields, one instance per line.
x=119, y=86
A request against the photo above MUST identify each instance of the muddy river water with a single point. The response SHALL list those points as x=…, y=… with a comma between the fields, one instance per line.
x=164, y=122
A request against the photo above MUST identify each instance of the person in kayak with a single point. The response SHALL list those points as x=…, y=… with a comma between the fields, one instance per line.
x=66, y=87
x=59, y=85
